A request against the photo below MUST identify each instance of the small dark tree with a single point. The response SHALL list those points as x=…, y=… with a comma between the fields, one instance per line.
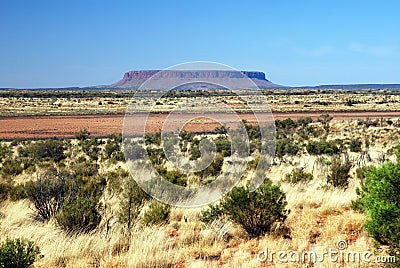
x=339, y=172
x=298, y=176
x=133, y=200
x=325, y=119
x=48, y=193
x=286, y=147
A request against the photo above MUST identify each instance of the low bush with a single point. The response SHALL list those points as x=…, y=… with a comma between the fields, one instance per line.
x=84, y=169
x=298, y=176
x=223, y=145
x=11, y=167
x=286, y=124
x=253, y=131
x=80, y=215
x=82, y=135
x=173, y=176
x=194, y=149
x=323, y=147
x=214, y=169
x=156, y=156
x=378, y=198
x=255, y=211
x=339, y=172
x=44, y=150
x=5, y=189
x=48, y=193
x=355, y=145
x=186, y=136
x=17, y=192
x=304, y=121
x=91, y=147
x=158, y=213
x=113, y=148
x=18, y=253
x=286, y=147
x=5, y=152
x=153, y=139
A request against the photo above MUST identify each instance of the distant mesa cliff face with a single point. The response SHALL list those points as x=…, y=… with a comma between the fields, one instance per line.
x=164, y=79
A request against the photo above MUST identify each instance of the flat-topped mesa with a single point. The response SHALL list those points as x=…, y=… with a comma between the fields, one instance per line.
x=133, y=79
x=193, y=74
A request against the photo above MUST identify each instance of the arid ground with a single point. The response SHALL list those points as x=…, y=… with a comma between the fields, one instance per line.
x=12, y=127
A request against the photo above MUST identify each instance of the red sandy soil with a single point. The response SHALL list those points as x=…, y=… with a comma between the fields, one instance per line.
x=12, y=127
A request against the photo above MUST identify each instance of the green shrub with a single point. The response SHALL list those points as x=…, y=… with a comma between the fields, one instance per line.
x=298, y=176
x=17, y=192
x=158, y=213
x=153, y=139
x=255, y=145
x=113, y=148
x=322, y=147
x=80, y=215
x=5, y=189
x=355, y=145
x=91, y=147
x=379, y=197
x=156, y=156
x=286, y=146
x=287, y=123
x=214, y=169
x=194, y=149
x=221, y=130
x=18, y=253
x=11, y=167
x=304, y=121
x=253, y=131
x=223, y=145
x=339, y=172
x=173, y=176
x=186, y=136
x=85, y=169
x=82, y=135
x=255, y=211
x=5, y=152
x=44, y=150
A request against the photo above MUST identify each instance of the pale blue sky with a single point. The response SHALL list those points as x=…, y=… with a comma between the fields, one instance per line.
x=93, y=42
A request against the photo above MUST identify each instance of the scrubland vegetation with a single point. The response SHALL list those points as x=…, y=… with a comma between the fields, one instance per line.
x=73, y=203
x=46, y=102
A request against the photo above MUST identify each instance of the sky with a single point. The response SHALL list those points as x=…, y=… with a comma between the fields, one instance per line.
x=296, y=43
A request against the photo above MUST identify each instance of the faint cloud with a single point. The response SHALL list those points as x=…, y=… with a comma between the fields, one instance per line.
x=316, y=52
x=376, y=50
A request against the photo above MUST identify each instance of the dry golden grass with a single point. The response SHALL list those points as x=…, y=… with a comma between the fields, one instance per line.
x=318, y=222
